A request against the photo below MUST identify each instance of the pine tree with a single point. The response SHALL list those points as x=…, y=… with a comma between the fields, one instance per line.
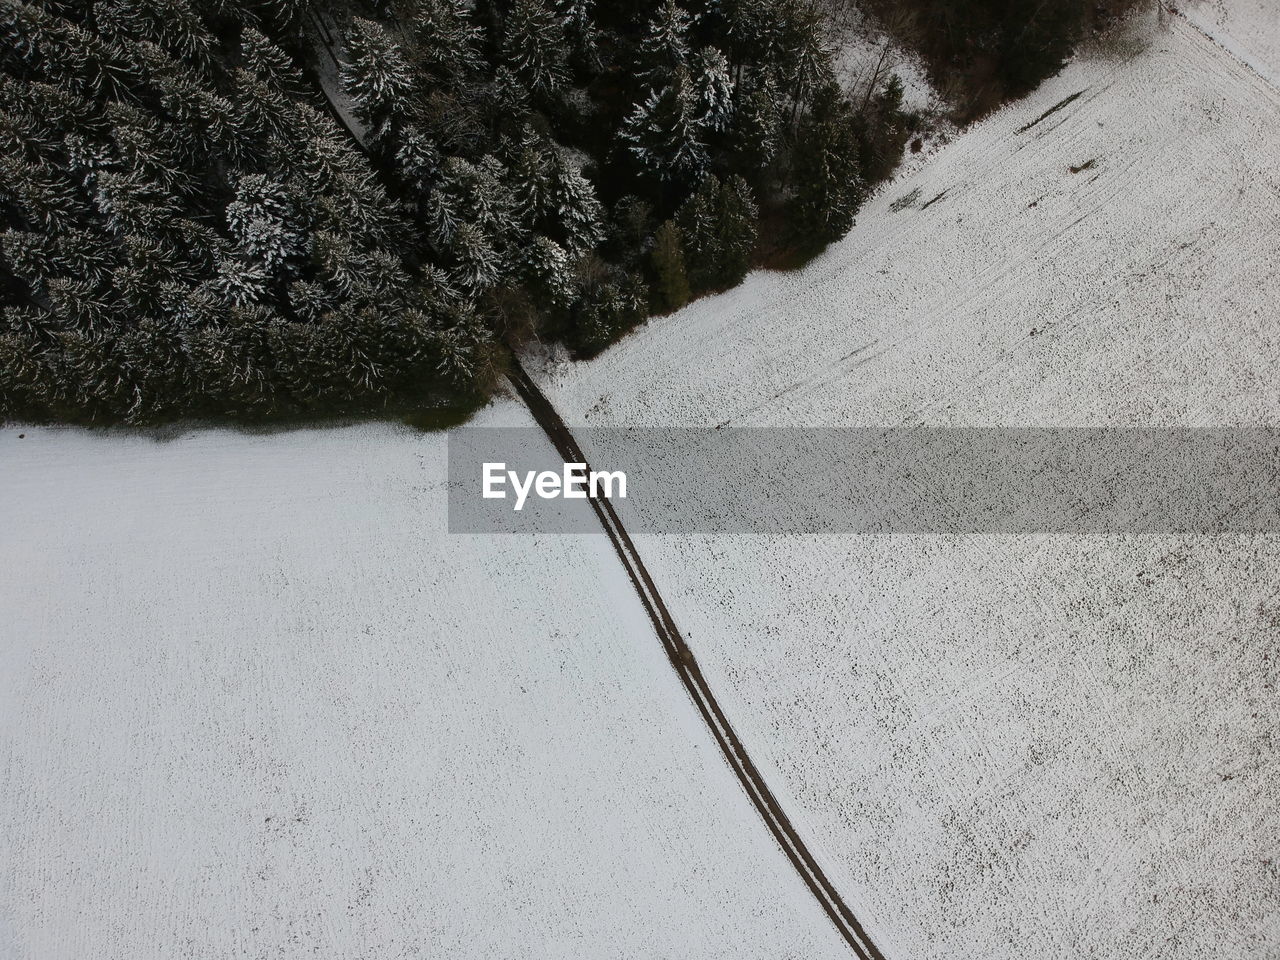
x=828, y=175
x=804, y=57
x=545, y=266
x=417, y=159
x=510, y=99
x=310, y=300
x=699, y=221
x=582, y=33
x=207, y=121
x=341, y=264
x=130, y=203
x=719, y=224
x=533, y=45
x=475, y=194
x=32, y=256
x=151, y=149
x=171, y=24
x=756, y=126
x=611, y=302
x=458, y=339
x=665, y=47
x=268, y=113
x=664, y=133
x=448, y=43
x=478, y=265
x=754, y=31
x=715, y=89
x=44, y=113
x=671, y=285
x=240, y=283
x=573, y=203
x=267, y=228
x=62, y=53
x=27, y=387
x=738, y=231
x=80, y=304
x=269, y=63
x=39, y=194
x=530, y=163
x=323, y=153
x=376, y=75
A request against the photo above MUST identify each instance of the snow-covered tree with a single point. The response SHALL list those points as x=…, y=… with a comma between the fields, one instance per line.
x=152, y=149
x=376, y=74
x=478, y=265
x=448, y=42
x=341, y=263
x=756, y=123
x=572, y=201
x=718, y=223
x=310, y=300
x=828, y=174
x=32, y=256
x=546, y=267
x=130, y=203
x=665, y=47
x=664, y=133
x=80, y=304
x=474, y=193
x=417, y=159
x=715, y=89
x=738, y=230
x=268, y=112
x=581, y=32
x=172, y=24
x=39, y=193
x=533, y=45
x=269, y=63
x=266, y=225
x=805, y=58
x=510, y=104
x=240, y=283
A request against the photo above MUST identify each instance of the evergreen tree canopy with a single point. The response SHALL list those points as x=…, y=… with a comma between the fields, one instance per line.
x=194, y=225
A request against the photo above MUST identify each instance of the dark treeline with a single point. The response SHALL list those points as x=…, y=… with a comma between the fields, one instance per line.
x=982, y=53
x=189, y=230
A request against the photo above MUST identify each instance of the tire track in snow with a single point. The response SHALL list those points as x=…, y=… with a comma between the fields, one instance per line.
x=695, y=683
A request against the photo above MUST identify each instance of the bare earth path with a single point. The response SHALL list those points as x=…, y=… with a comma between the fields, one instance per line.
x=691, y=676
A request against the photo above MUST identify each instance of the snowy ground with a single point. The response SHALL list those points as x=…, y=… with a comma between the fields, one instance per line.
x=1250, y=29
x=1024, y=746
x=255, y=702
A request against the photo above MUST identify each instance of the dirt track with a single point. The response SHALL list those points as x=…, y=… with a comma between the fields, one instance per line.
x=686, y=667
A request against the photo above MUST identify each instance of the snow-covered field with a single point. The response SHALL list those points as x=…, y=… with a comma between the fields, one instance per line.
x=1023, y=746
x=255, y=702
x=1250, y=29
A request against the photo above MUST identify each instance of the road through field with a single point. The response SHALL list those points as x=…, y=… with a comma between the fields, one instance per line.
x=687, y=668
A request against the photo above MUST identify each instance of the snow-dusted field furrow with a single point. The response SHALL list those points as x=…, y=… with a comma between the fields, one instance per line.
x=1249, y=29
x=1011, y=747
x=256, y=702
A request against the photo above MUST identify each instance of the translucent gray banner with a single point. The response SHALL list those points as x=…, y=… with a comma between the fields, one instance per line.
x=872, y=481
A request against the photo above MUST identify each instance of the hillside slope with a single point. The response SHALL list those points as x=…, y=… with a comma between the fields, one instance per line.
x=1023, y=746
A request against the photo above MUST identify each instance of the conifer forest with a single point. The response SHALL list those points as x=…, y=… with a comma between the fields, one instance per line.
x=265, y=209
